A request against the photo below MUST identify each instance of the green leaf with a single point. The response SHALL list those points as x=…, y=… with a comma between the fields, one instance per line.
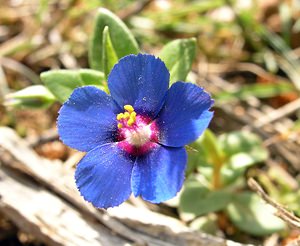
x=36, y=96
x=109, y=55
x=62, y=82
x=178, y=56
x=121, y=38
x=239, y=141
x=250, y=214
x=255, y=90
x=243, y=160
x=207, y=224
x=197, y=200
x=242, y=149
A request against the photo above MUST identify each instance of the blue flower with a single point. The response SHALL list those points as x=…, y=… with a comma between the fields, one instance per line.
x=134, y=137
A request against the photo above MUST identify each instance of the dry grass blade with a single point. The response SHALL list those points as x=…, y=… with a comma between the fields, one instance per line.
x=20, y=68
x=278, y=113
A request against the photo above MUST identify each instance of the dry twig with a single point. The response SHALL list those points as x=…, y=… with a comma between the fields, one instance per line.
x=282, y=212
x=278, y=113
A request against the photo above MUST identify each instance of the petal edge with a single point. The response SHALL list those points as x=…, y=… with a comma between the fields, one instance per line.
x=103, y=176
x=87, y=119
x=159, y=175
x=185, y=114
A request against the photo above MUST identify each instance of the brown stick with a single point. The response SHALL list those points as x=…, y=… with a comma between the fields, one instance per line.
x=282, y=213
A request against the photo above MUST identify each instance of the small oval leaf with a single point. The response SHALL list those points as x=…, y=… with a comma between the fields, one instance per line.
x=197, y=200
x=250, y=214
x=35, y=96
x=62, y=82
x=178, y=56
x=242, y=149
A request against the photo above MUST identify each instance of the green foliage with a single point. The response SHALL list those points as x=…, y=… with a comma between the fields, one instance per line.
x=121, y=41
x=217, y=165
x=111, y=40
x=250, y=214
x=62, y=82
x=216, y=172
x=243, y=149
x=234, y=152
x=197, y=200
x=36, y=96
x=105, y=49
x=110, y=57
x=178, y=56
x=207, y=224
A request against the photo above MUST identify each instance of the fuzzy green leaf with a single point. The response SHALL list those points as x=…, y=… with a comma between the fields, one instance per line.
x=109, y=56
x=178, y=56
x=35, y=96
x=250, y=214
x=62, y=82
x=242, y=149
x=121, y=38
x=197, y=199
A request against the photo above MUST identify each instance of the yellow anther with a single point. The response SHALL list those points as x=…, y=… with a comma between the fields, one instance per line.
x=133, y=116
x=128, y=115
x=120, y=116
x=130, y=122
x=129, y=108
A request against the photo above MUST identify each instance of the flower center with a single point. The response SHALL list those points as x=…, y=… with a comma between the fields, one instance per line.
x=136, y=133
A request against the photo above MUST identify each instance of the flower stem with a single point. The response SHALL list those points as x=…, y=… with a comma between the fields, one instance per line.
x=216, y=181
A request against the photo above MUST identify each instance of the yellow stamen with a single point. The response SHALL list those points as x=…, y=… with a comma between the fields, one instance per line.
x=120, y=116
x=133, y=116
x=129, y=108
x=130, y=122
x=128, y=115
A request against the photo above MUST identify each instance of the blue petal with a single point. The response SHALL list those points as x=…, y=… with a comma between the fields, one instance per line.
x=185, y=115
x=103, y=176
x=87, y=119
x=141, y=81
x=159, y=175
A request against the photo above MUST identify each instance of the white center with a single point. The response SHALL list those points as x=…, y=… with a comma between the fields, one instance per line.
x=139, y=137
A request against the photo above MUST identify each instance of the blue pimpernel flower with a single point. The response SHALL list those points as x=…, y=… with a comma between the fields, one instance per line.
x=134, y=137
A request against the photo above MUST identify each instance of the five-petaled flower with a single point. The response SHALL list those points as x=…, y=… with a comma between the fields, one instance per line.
x=134, y=137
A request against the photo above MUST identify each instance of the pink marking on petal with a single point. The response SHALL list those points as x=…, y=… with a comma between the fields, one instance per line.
x=140, y=138
x=136, y=151
x=154, y=132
